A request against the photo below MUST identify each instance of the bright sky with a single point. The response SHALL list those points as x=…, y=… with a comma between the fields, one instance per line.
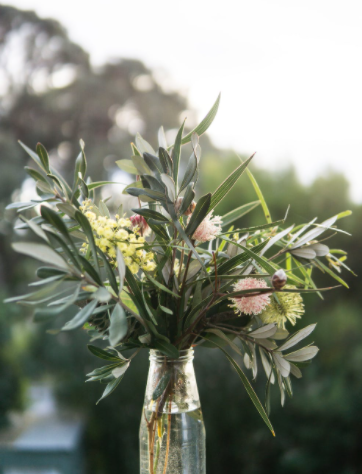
x=289, y=71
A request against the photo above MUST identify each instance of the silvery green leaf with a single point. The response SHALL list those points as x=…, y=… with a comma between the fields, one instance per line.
x=39, y=295
x=306, y=353
x=118, y=325
x=228, y=184
x=300, y=231
x=314, y=233
x=194, y=140
x=269, y=344
x=276, y=238
x=162, y=138
x=141, y=165
x=297, y=337
x=264, y=332
x=194, y=268
x=281, y=334
x=102, y=295
x=304, y=252
x=135, y=184
x=43, y=156
x=189, y=196
x=190, y=172
x=320, y=249
x=267, y=367
x=127, y=165
x=166, y=160
x=153, y=162
x=281, y=364
x=40, y=252
x=170, y=185
x=176, y=153
x=143, y=146
x=235, y=214
x=199, y=214
x=45, y=187
x=121, y=269
x=294, y=370
x=66, y=208
x=110, y=388
x=281, y=388
x=145, y=339
x=81, y=317
x=247, y=361
x=205, y=123
x=36, y=229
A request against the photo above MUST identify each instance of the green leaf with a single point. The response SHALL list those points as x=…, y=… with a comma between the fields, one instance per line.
x=205, y=123
x=153, y=162
x=98, y=184
x=232, y=216
x=199, y=214
x=260, y=196
x=167, y=348
x=32, y=155
x=161, y=386
x=224, y=337
x=253, y=396
x=162, y=287
x=297, y=337
x=302, y=355
x=263, y=262
x=46, y=272
x=154, y=195
x=35, y=174
x=101, y=354
x=127, y=165
x=176, y=154
x=166, y=161
x=233, y=262
x=141, y=165
x=81, y=317
x=110, y=388
x=55, y=220
x=119, y=325
x=109, y=271
x=189, y=196
x=122, y=269
x=331, y=273
x=228, y=184
x=40, y=252
x=84, y=223
x=43, y=156
x=143, y=146
x=190, y=172
x=36, y=229
x=150, y=214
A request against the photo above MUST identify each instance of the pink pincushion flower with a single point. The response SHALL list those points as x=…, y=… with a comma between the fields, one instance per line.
x=140, y=223
x=250, y=304
x=209, y=228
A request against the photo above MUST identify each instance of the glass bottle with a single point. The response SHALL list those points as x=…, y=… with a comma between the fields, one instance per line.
x=172, y=432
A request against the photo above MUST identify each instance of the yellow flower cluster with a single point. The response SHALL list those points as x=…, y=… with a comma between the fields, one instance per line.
x=111, y=234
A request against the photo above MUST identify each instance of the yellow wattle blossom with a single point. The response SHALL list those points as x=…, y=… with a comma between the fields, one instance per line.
x=111, y=234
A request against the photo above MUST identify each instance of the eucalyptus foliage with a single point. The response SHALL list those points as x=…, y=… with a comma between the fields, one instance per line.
x=180, y=297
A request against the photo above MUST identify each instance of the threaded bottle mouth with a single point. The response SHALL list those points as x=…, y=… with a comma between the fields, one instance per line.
x=185, y=355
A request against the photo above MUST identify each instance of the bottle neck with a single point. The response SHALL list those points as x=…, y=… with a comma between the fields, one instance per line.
x=171, y=383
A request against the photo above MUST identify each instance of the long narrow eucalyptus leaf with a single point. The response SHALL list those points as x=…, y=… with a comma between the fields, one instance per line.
x=260, y=196
x=253, y=396
x=228, y=184
x=205, y=123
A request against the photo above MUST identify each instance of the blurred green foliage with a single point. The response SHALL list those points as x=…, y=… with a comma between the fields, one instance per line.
x=320, y=428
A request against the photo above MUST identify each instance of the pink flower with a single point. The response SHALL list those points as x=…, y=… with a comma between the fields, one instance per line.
x=140, y=223
x=209, y=228
x=250, y=304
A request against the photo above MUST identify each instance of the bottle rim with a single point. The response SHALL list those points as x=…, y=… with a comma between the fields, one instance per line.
x=184, y=355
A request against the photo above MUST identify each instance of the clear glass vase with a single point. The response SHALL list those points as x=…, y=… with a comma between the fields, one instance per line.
x=172, y=431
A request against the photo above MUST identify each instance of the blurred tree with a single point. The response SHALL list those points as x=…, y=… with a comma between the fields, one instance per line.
x=51, y=93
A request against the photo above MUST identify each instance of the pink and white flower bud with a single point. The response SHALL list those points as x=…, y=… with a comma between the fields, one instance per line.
x=279, y=279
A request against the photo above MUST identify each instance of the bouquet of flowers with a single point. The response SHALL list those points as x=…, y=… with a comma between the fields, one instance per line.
x=173, y=275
